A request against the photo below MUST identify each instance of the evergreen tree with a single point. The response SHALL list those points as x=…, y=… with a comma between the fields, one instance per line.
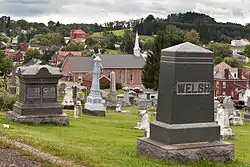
x=166, y=38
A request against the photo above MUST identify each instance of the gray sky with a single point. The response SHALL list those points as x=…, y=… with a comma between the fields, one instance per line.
x=100, y=11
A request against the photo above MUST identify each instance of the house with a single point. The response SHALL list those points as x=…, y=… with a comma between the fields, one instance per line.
x=127, y=67
x=16, y=56
x=67, y=40
x=241, y=42
x=24, y=46
x=228, y=81
x=40, y=48
x=60, y=56
x=78, y=36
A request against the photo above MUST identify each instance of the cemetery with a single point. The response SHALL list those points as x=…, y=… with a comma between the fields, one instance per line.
x=183, y=126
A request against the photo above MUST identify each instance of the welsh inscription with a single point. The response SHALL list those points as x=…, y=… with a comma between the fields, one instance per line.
x=193, y=88
x=49, y=92
x=33, y=93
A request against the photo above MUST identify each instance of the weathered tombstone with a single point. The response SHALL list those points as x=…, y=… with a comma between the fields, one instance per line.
x=229, y=105
x=145, y=104
x=118, y=108
x=126, y=102
x=94, y=104
x=143, y=120
x=223, y=121
x=132, y=100
x=62, y=88
x=120, y=98
x=216, y=103
x=247, y=115
x=68, y=102
x=78, y=110
x=74, y=93
x=37, y=102
x=184, y=130
x=112, y=96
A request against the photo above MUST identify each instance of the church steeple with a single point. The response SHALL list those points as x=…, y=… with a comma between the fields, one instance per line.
x=137, y=49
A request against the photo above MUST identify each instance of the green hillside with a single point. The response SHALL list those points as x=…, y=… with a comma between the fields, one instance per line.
x=121, y=32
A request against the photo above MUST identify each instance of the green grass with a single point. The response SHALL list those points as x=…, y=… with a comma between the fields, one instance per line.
x=106, y=142
x=121, y=32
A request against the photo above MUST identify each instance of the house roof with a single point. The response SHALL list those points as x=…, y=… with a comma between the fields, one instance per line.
x=89, y=77
x=219, y=71
x=84, y=64
x=66, y=53
x=78, y=31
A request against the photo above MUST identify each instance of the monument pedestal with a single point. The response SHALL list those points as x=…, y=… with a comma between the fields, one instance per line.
x=58, y=119
x=217, y=151
x=112, y=101
x=94, y=107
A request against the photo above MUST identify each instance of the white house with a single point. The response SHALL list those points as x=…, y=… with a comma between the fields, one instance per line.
x=241, y=42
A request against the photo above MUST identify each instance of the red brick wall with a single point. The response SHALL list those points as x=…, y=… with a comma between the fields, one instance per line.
x=230, y=87
x=126, y=76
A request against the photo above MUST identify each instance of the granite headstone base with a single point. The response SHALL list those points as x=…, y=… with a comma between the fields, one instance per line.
x=58, y=119
x=184, y=133
x=217, y=151
x=94, y=113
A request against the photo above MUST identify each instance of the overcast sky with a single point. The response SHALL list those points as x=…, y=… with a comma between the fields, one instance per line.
x=100, y=11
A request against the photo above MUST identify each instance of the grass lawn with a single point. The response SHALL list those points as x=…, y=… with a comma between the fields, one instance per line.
x=106, y=142
x=121, y=32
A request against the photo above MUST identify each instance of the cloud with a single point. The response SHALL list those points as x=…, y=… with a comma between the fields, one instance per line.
x=100, y=11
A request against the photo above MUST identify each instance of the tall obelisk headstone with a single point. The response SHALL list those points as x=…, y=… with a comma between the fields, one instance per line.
x=94, y=104
x=184, y=130
x=112, y=97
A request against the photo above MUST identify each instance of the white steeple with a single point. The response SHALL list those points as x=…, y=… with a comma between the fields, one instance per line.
x=137, y=49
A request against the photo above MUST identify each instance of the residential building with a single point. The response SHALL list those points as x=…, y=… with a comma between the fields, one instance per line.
x=78, y=36
x=241, y=42
x=40, y=48
x=60, y=56
x=228, y=81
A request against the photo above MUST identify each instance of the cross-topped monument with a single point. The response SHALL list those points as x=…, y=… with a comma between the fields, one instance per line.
x=184, y=130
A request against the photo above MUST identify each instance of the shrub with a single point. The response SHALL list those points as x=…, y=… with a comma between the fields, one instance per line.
x=7, y=101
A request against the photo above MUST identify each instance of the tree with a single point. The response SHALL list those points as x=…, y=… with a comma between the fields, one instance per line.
x=220, y=50
x=5, y=63
x=90, y=41
x=47, y=56
x=233, y=62
x=192, y=36
x=31, y=53
x=247, y=51
x=165, y=38
x=128, y=41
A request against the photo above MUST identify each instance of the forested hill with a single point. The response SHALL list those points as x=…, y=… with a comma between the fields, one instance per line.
x=208, y=28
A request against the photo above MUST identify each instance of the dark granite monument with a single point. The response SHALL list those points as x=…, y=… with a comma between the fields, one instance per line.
x=184, y=130
x=37, y=102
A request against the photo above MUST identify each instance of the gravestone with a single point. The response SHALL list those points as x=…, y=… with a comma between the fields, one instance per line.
x=120, y=98
x=68, y=102
x=229, y=105
x=184, y=130
x=112, y=96
x=143, y=120
x=126, y=102
x=223, y=121
x=62, y=88
x=74, y=93
x=247, y=115
x=78, y=110
x=118, y=108
x=37, y=101
x=216, y=103
x=94, y=105
x=145, y=104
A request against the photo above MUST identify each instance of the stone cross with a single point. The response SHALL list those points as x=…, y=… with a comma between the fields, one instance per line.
x=223, y=121
x=94, y=105
x=184, y=130
x=78, y=110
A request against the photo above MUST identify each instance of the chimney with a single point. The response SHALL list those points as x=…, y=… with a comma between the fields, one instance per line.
x=226, y=73
x=239, y=73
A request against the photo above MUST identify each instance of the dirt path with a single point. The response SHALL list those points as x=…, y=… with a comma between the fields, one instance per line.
x=42, y=155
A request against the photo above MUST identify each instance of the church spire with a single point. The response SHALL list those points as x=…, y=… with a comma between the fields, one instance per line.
x=137, y=49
